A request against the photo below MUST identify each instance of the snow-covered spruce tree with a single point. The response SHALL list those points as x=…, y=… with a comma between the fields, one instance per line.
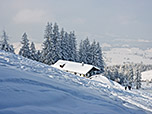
x=46, y=55
x=107, y=72
x=96, y=56
x=115, y=74
x=84, y=52
x=122, y=73
x=4, y=45
x=56, y=44
x=87, y=45
x=81, y=52
x=33, y=54
x=25, y=50
x=52, y=44
x=38, y=56
x=64, y=45
x=68, y=50
x=126, y=74
x=93, y=52
x=68, y=46
x=137, y=79
x=130, y=75
x=72, y=47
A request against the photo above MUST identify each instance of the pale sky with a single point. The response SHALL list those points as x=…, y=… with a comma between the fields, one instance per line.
x=96, y=19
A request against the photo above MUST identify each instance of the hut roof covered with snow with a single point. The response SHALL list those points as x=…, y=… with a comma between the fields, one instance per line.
x=76, y=68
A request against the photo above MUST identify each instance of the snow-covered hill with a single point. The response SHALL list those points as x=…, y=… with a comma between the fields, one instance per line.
x=127, y=55
x=146, y=78
x=29, y=87
x=147, y=75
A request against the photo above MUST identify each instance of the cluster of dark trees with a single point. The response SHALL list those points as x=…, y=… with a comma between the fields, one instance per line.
x=4, y=44
x=28, y=50
x=127, y=74
x=59, y=44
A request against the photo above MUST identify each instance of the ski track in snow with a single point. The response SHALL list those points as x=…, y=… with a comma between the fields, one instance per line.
x=135, y=98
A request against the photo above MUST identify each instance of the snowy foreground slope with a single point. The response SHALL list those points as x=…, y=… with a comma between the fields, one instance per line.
x=28, y=87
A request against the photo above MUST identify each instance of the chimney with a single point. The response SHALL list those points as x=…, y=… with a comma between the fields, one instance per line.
x=82, y=63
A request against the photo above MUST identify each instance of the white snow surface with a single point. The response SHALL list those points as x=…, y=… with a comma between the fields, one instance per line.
x=106, y=81
x=118, y=56
x=29, y=87
x=147, y=75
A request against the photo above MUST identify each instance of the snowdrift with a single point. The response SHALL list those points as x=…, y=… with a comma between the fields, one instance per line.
x=106, y=81
x=30, y=87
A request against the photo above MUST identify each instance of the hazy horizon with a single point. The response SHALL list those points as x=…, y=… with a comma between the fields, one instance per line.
x=103, y=20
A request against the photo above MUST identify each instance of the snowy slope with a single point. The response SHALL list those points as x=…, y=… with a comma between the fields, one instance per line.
x=106, y=81
x=147, y=75
x=28, y=87
x=127, y=55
